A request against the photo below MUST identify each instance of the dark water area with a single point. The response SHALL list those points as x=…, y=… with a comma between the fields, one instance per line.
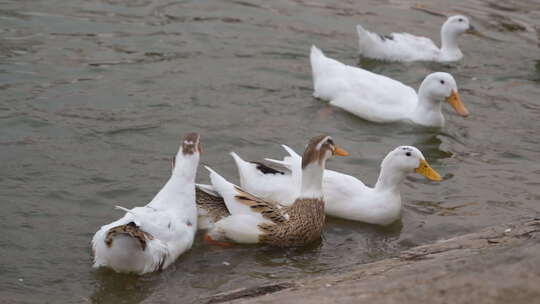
x=96, y=95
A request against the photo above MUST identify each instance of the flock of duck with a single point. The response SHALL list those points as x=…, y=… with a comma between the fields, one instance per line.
x=287, y=206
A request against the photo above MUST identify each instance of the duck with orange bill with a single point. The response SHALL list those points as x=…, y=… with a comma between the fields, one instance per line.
x=345, y=196
x=381, y=99
x=253, y=220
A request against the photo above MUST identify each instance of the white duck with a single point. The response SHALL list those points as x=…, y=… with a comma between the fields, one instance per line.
x=407, y=47
x=381, y=99
x=345, y=196
x=150, y=238
x=251, y=220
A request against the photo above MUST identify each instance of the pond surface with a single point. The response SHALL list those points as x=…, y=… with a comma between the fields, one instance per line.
x=96, y=95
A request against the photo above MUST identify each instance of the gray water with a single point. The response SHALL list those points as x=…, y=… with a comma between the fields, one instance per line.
x=96, y=95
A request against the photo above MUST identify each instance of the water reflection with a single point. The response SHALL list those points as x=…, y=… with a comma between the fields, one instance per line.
x=112, y=287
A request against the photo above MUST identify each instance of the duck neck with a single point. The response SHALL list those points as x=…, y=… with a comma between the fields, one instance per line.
x=428, y=109
x=312, y=176
x=185, y=168
x=449, y=45
x=181, y=184
x=389, y=179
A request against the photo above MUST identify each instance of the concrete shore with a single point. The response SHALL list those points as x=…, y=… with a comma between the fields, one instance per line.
x=499, y=264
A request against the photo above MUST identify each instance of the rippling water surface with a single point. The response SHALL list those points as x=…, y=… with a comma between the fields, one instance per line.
x=96, y=95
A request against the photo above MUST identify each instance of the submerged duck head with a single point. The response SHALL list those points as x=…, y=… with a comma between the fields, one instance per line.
x=456, y=25
x=319, y=149
x=408, y=159
x=442, y=86
x=189, y=150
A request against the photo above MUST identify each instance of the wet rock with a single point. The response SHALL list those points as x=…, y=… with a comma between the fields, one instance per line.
x=496, y=265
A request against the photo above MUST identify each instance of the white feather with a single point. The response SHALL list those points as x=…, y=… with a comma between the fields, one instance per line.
x=208, y=189
x=240, y=228
x=407, y=47
x=228, y=192
x=170, y=218
x=242, y=225
x=379, y=98
x=263, y=184
x=347, y=197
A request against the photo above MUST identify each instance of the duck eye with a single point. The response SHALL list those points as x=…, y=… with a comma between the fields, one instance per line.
x=442, y=81
x=408, y=153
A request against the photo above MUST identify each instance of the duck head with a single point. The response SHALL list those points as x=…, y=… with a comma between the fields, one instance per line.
x=187, y=158
x=450, y=31
x=319, y=149
x=457, y=25
x=401, y=161
x=440, y=86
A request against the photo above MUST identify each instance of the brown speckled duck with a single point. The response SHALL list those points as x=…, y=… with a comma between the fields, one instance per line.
x=252, y=220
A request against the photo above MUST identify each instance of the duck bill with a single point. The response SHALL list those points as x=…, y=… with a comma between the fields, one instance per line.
x=427, y=171
x=339, y=152
x=455, y=101
x=472, y=30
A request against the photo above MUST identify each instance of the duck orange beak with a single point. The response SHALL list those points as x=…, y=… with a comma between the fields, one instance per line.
x=455, y=101
x=339, y=151
x=427, y=171
x=471, y=30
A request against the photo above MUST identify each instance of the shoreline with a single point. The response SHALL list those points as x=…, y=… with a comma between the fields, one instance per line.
x=499, y=264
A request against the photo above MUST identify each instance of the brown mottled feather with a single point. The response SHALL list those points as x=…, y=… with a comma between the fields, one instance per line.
x=268, y=209
x=305, y=225
x=296, y=225
x=129, y=229
x=214, y=205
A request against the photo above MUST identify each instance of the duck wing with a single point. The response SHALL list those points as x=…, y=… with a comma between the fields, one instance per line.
x=210, y=206
x=266, y=182
x=240, y=202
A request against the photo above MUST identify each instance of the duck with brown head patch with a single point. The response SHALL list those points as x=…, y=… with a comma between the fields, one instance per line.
x=346, y=196
x=255, y=220
x=150, y=238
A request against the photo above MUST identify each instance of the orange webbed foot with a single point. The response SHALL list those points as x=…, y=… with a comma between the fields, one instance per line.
x=325, y=112
x=207, y=239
